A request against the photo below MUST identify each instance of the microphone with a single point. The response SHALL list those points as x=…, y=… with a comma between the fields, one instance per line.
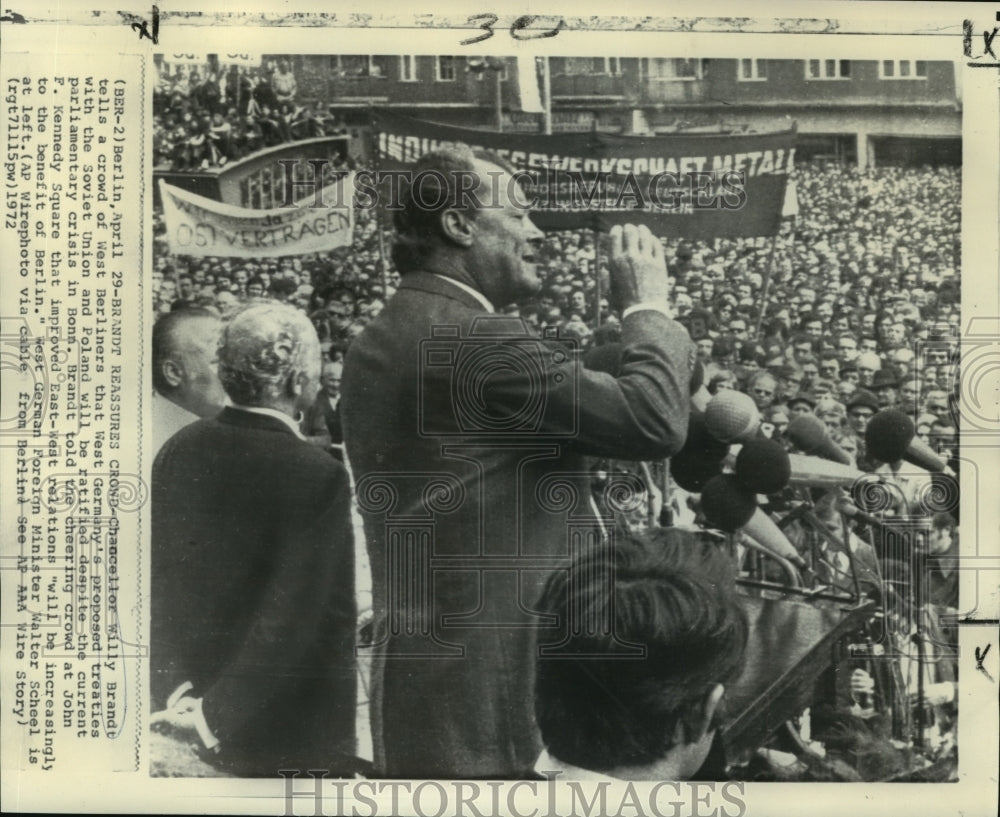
x=814, y=472
x=890, y=437
x=732, y=416
x=701, y=457
x=730, y=507
x=809, y=434
x=763, y=467
x=849, y=509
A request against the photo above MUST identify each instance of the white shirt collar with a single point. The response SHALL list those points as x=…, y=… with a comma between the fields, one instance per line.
x=475, y=293
x=278, y=415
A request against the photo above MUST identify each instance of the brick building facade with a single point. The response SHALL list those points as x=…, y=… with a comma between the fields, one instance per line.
x=859, y=111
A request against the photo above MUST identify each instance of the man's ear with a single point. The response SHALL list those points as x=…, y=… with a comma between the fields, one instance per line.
x=295, y=385
x=173, y=372
x=458, y=227
x=706, y=723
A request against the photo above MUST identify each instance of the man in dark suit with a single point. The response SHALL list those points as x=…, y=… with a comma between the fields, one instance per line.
x=253, y=611
x=467, y=438
x=322, y=421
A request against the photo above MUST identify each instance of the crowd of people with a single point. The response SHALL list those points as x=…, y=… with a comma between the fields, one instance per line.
x=853, y=308
x=209, y=115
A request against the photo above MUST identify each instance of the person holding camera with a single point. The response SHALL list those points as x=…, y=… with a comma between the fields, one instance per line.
x=466, y=435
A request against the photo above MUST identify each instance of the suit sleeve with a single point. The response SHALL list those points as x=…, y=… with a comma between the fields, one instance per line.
x=640, y=414
x=306, y=606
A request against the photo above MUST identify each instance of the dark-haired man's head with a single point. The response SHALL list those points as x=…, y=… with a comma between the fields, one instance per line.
x=602, y=705
x=185, y=360
x=464, y=216
x=256, y=287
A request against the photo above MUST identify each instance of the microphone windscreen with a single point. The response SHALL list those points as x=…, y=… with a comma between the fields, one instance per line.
x=701, y=457
x=732, y=416
x=700, y=440
x=809, y=434
x=763, y=466
x=888, y=435
x=691, y=470
x=726, y=504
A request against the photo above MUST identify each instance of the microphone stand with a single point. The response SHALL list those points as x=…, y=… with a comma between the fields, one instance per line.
x=918, y=639
x=805, y=515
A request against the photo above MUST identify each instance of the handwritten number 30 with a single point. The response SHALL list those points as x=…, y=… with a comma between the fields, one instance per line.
x=518, y=29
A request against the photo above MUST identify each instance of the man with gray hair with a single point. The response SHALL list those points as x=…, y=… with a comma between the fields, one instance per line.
x=253, y=611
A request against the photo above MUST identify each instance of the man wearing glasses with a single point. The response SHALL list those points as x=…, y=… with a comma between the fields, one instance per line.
x=762, y=389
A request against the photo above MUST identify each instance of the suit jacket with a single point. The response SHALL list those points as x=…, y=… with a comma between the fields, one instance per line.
x=322, y=418
x=467, y=441
x=253, y=591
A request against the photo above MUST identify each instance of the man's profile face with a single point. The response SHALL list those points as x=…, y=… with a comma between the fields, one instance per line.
x=505, y=240
x=198, y=352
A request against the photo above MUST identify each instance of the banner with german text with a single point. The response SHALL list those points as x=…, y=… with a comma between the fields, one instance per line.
x=199, y=226
x=693, y=185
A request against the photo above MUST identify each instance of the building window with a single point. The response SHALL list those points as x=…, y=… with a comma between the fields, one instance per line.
x=575, y=66
x=751, y=70
x=445, y=69
x=672, y=69
x=357, y=65
x=902, y=69
x=408, y=68
x=828, y=69
x=481, y=68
